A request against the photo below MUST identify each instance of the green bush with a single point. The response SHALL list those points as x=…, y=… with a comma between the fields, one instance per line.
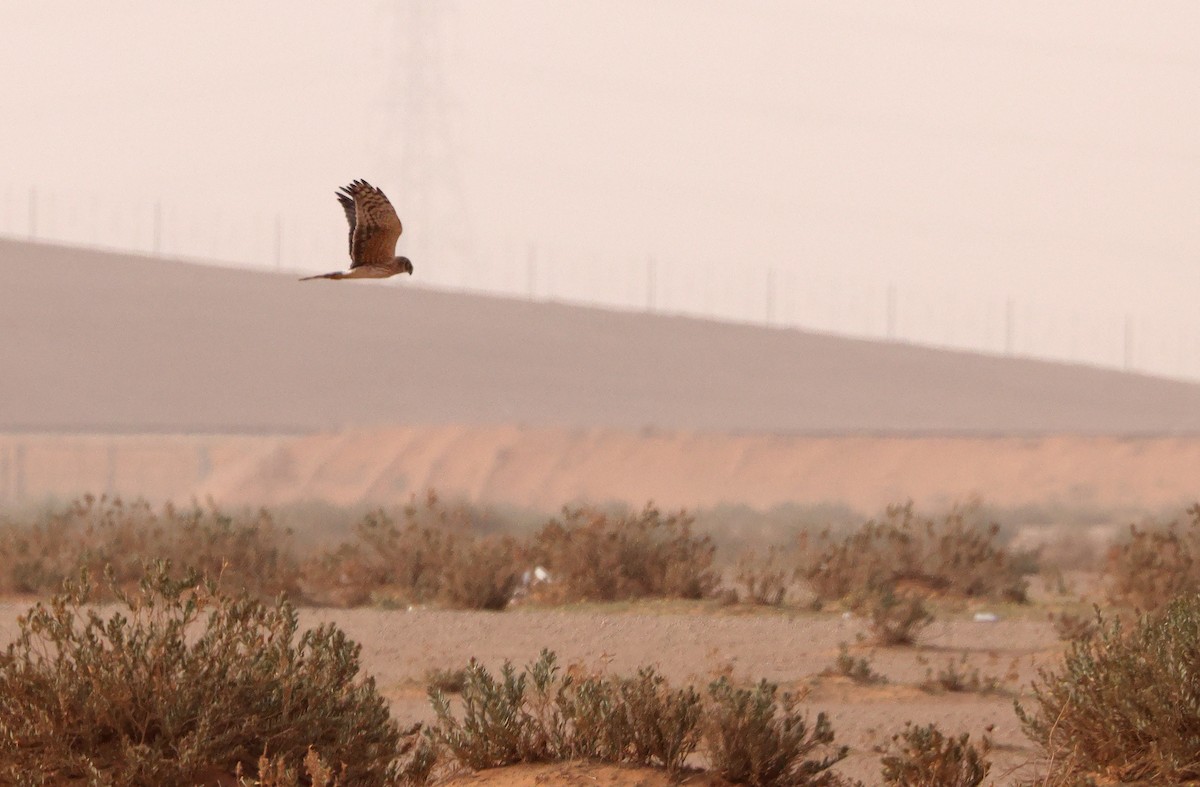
x=538, y=715
x=1125, y=705
x=754, y=737
x=181, y=680
x=858, y=670
x=924, y=757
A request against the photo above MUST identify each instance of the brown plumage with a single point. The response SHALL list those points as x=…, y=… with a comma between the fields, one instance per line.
x=374, y=230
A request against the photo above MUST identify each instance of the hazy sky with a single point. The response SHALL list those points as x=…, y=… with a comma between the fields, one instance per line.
x=965, y=153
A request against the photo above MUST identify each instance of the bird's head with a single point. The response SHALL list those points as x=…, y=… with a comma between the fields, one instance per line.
x=404, y=264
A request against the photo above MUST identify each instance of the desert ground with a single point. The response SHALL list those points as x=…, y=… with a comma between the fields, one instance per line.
x=170, y=381
x=694, y=643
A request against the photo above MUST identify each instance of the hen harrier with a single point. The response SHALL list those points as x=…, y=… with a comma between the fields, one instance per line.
x=374, y=230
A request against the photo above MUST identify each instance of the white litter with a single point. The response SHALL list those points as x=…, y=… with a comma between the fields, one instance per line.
x=986, y=617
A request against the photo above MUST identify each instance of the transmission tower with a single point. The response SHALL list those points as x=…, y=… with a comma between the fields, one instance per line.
x=418, y=148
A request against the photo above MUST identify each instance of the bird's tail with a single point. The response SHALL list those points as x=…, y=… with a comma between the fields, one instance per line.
x=334, y=275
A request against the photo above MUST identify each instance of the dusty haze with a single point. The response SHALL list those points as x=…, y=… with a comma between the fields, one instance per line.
x=965, y=154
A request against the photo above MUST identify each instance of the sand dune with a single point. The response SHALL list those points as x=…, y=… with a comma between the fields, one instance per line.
x=100, y=342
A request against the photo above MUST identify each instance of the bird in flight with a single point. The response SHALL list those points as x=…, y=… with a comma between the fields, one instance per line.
x=374, y=230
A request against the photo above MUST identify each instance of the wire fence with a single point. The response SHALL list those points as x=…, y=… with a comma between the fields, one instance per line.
x=756, y=293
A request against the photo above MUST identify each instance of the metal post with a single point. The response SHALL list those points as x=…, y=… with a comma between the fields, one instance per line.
x=531, y=271
x=651, y=284
x=770, y=295
x=1128, y=343
x=891, y=312
x=157, y=228
x=1009, y=327
x=278, y=242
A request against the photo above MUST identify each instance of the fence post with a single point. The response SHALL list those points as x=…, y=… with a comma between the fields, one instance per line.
x=891, y=312
x=531, y=271
x=278, y=242
x=158, y=228
x=651, y=283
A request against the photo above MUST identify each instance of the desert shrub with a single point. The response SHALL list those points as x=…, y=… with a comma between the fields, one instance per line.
x=955, y=555
x=182, y=680
x=597, y=556
x=765, y=579
x=1125, y=705
x=1156, y=564
x=856, y=669
x=507, y=720
x=249, y=552
x=445, y=680
x=480, y=573
x=539, y=714
x=434, y=557
x=639, y=719
x=924, y=757
x=755, y=737
x=1069, y=626
x=895, y=619
x=956, y=677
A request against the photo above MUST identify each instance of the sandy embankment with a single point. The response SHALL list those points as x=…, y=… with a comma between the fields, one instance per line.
x=543, y=468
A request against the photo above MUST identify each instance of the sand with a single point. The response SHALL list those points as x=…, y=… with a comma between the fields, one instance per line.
x=544, y=468
x=688, y=645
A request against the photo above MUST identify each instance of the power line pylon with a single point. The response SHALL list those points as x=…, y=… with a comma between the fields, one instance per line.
x=419, y=149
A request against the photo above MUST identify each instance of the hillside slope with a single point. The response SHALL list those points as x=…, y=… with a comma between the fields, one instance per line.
x=92, y=341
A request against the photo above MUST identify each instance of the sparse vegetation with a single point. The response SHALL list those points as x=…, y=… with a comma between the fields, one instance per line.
x=181, y=681
x=856, y=669
x=895, y=619
x=955, y=555
x=597, y=556
x=765, y=579
x=1124, y=704
x=1070, y=626
x=102, y=535
x=922, y=756
x=750, y=736
x=1156, y=564
x=957, y=676
x=445, y=680
x=756, y=737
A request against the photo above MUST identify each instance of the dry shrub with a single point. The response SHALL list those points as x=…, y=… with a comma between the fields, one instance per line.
x=1156, y=564
x=435, y=557
x=445, y=680
x=765, y=579
x=955, y=677
x=540, y=714
x=1070, y=626
x=639, y=719
x=956, y=555
x=598, y=556
x=750, y=736
x=182, y=681
x=895, y=619
x=1125, y=705
x=249, y=552
x=857, y=670
x=755, y=737
x=924, y=757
